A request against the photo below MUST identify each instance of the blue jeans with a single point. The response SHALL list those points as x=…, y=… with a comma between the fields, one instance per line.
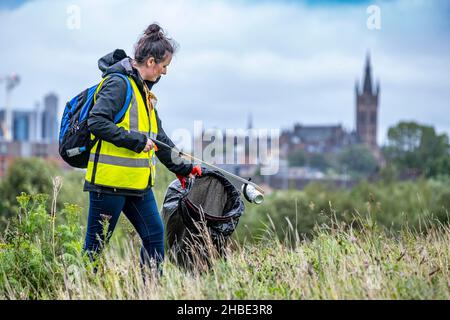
x=143, y=214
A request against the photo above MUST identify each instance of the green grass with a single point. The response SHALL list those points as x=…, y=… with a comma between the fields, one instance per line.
x=390, y=205
x=40, y=259
x=376, y=241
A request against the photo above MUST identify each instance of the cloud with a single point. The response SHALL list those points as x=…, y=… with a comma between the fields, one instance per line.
x=286, y=62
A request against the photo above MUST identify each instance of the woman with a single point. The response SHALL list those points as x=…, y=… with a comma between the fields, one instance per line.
x=121, y=168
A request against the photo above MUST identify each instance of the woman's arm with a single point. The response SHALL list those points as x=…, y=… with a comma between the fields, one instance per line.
x=110, y=100
x=165, y=155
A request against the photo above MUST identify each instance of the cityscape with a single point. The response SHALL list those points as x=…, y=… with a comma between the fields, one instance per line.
x=34, y=133
x=316, y=140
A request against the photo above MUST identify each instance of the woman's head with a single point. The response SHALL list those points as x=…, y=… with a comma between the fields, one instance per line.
x=153, y=53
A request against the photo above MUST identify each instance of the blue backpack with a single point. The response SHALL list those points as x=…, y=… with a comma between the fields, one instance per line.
x=74, y=136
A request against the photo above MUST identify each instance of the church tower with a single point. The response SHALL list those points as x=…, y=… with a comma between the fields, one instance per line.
x=367, y=109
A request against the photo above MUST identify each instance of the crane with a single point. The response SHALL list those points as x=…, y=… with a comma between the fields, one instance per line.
x=11, y=82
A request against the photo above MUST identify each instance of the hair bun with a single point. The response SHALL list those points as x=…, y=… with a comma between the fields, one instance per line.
x=152, y=29
x=153, y=43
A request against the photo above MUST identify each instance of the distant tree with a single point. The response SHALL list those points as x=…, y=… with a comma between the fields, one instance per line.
x=29, y=175
x=358, y=158
x=302, y=158
x=418, y=147
x=439, y=167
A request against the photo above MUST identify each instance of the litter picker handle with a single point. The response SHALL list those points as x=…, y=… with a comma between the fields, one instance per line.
x=206, y=164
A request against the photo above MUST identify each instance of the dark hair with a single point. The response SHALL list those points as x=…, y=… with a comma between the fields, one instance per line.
x=153, y=43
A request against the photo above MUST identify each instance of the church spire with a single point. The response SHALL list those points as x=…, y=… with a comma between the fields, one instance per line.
x=367, y=109
x=368, y=76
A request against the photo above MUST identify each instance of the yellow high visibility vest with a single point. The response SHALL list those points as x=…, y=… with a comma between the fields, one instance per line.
x=116, y=167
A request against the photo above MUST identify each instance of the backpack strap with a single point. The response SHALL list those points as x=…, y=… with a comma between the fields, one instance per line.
x=127, y=98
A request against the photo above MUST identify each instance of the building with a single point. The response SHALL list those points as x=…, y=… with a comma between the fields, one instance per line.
x=239, y=151
x=332, y=138
x=34, y=134
x=34, y=125
x=21, y=125
x=367, y=109
x=50, y=118
x=312, y=139
x=315, y=139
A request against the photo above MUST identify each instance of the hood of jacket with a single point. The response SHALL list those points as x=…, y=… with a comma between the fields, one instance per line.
x=118, y=62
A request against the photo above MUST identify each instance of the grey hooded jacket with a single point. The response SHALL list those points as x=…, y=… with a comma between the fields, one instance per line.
x=110, y=100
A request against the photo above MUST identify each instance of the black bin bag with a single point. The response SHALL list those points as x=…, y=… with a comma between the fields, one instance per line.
x=200, y=219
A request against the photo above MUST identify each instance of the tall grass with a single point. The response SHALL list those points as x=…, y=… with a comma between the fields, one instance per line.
x=40, y=259
x=390, y=205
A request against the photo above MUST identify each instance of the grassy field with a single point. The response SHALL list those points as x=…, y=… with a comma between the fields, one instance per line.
x=40, y=259
x=376, y=241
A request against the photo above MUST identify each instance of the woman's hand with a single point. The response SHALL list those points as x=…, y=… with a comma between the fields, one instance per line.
x=150, y=145
x=196, y=170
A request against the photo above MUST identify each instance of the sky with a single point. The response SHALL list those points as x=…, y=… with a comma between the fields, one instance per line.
x=284, y=62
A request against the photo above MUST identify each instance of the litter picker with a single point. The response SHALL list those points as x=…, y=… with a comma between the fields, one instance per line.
x=251, y=191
